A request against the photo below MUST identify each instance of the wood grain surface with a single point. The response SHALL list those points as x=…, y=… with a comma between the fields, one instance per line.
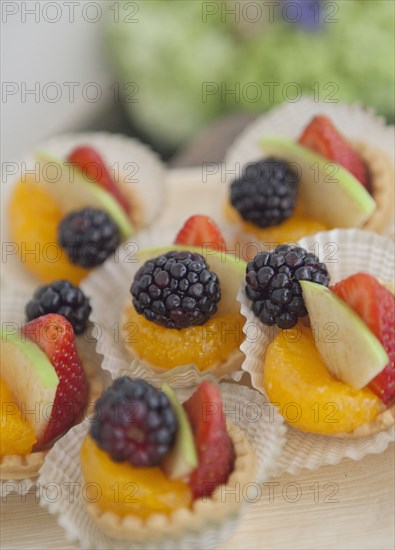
x=347, y=506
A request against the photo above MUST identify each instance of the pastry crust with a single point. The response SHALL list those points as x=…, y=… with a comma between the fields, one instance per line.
x=382, y=174
x=382, y=422
x=15, y=467
x=223, y=505
x=232, y=364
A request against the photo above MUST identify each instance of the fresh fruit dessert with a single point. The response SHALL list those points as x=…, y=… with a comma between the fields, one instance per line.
x=63, y=298
x=80, y=203
x=164, y=459
x=184, y=309
x=44, y=391
x=319, y=182
x=333, y=360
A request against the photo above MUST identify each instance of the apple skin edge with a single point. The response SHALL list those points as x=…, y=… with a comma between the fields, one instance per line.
x=29, y=374
x=355, y=356
x=183, y=458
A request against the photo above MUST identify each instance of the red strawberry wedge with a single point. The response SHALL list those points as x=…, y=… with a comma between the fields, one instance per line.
x=92, y=165
x=55, y=336
x=201, y=230
x=376, y=306
x=322, y=137
x=213, y=444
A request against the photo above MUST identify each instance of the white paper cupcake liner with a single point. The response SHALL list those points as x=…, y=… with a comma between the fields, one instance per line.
x=13, y=317
x=109, y=290
x=132, y=162
x=356, y=122
x=345, y=251
x=246, y=408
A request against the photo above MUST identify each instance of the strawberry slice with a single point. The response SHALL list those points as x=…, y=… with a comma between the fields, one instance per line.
x=92, y=165
x=322, y=137
x=201, y=230
x=55, y=336
x=213, y=444
x=376, y=306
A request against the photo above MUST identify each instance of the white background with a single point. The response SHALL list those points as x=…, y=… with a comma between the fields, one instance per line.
x=36, y=50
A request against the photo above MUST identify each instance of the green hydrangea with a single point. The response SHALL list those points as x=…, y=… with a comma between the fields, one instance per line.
x=184, y=66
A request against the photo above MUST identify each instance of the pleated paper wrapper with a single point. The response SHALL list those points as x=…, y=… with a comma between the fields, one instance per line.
x=109, y=290
x=345, y=252
x=247, y=409
x=134, y=164
x=12, y=318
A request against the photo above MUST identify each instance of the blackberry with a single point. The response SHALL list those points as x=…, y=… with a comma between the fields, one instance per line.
x=176, y=290
x=134, y=422
x=266, y=192
x=272, y=284
x=88, y=236
x=63, y=298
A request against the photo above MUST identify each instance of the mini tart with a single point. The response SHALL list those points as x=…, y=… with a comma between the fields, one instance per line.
x=18, y=467
x=384, y=420
x=137, y=171
x=382, y=178
x=213, y=510
x=220, y=357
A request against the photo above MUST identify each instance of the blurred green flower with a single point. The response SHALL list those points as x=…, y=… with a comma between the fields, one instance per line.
x=192, y=62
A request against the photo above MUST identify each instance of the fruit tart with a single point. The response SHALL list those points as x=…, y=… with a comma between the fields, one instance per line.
x=320, y=181
x=159, y=465
x=79, y=198
x=43, y=391
x=329, y=364
x=183, y=307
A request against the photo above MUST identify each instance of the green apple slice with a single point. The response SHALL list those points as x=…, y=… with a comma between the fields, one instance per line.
x=32, y=379
x=182, y=459
x=69, y=188
x=328, y=192
x=230, y=270
x=352, y=353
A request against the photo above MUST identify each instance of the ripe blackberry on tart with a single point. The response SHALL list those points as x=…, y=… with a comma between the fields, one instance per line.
x=183, y=303
x=81, y=202
x=176, y=456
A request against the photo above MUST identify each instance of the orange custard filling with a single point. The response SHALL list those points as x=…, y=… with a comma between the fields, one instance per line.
x=120, y=488
x=297, y=226
x=308, y=396
x=33, y=220
x=17, y=435
x=205, y=345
